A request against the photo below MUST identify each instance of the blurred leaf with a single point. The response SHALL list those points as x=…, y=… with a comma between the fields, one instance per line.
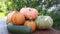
x=2, y=15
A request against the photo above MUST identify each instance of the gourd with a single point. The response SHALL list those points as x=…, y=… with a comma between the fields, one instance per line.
x=30, y=24
x=29, y=12
x=18, y=29
x=18, y=18
x=9, y=17
x=44, y=22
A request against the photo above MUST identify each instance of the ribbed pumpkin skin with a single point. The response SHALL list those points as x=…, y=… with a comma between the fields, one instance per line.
x=18, y=18
x=9, y=17
x=44, y=22
x=30, y=24
x=29, y=12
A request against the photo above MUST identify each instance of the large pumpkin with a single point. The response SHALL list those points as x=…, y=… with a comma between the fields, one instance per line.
x=30, y=24
x=18, y=18
x=44, y=22
x=29, y=12
x=9, y=17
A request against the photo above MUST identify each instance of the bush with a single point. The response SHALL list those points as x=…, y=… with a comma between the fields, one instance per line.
x=56, y=18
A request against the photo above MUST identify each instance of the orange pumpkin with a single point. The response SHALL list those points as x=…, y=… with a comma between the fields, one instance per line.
x=29, y=12
x=9, y=17
x=30, y=24
x=18, y=18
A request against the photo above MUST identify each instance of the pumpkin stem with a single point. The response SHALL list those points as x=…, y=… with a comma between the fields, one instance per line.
x=29, y=9
x=42, y=15
x=25, y=6
x=30, y=19
x=38, y=14
x=16, y=10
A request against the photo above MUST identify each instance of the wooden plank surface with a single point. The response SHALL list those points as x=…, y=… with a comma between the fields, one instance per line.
x=47, y=31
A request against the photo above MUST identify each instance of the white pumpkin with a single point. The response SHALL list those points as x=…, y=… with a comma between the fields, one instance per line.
x=44, y=22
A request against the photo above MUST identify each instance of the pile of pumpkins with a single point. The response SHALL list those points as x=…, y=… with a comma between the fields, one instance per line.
x=27, y=18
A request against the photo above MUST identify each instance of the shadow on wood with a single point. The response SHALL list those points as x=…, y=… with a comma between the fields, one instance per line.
x=47, y=31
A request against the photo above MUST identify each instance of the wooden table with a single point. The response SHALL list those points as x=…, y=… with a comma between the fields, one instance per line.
x=47, y=31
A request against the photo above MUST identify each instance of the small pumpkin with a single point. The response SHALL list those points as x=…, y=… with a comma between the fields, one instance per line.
x=18, y=18
x=29, y=12
x=30, y=24
x=9, y=17
x=44, y=22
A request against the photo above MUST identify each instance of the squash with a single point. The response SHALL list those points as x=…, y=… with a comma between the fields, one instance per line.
x=18, y=29
x=9, y=17
x=29, y=12
x=44, y=22
x=30, y=24
x=18, y=18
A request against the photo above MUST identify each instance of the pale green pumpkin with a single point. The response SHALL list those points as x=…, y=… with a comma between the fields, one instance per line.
x=44, y=22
